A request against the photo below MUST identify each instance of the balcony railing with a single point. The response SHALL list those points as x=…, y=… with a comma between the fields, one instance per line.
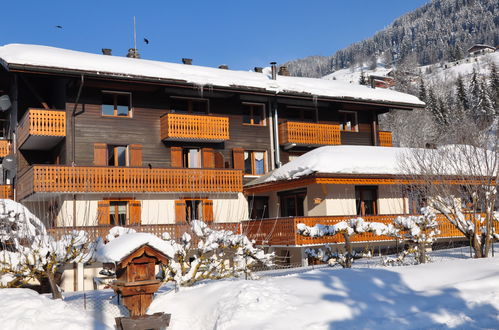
x=183, y=127
x=283, y=231
x=4, y=148
x=78, y=179
x=6, y=191
x=174, y=230
x=309, y=133
x=49, y=124
x=385, y=139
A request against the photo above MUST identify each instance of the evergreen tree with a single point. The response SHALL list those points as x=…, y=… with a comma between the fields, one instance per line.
x=362, y=79
x=494, y=86
x=422, y=90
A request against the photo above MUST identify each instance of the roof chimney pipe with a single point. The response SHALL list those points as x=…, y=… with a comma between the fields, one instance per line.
x=187, y=61
x=133, y=53
x=274, y=70
x=223, y=66
x=258, y=69
x=283, y=70
x=107, y=51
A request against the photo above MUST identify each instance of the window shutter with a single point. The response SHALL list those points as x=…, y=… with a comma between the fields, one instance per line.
x=103, y=213
x=180, y=211
x=100, y=154
x=238, y=158
x=207, y=210
x=208, y=158
x=176, y=156
x=135, y=155
x=219, y=160
x=135, y=213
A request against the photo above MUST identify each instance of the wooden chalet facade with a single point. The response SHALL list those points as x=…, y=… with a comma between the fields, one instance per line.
x=96, y=146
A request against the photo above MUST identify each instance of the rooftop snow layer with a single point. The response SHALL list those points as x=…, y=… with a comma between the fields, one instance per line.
x=122, y=246
x=105, y=65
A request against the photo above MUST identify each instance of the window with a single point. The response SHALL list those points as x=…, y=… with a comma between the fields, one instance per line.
x=292, y=203
x=193, y=210
x=258, y=207
x=186, y=105
x=366, y=200
x=191, y=158
x=189, y=209
x=254, y=114
x=348, y=120
x=254, y=162
x=118, y=213
x=299, y=114
x=117, y=155
x=116, y=104
x=416, y=199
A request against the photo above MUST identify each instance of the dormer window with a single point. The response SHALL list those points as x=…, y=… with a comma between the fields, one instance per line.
x=116, y=104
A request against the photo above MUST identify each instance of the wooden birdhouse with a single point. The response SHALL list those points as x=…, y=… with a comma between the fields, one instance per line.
x=136, y=278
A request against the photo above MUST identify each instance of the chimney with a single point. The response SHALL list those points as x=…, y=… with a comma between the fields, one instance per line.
x=274, y=69
x=187, y=61
x=107, y=51
x=258, y=69
x=223, y=66
x=133, y=53
x=283, y=71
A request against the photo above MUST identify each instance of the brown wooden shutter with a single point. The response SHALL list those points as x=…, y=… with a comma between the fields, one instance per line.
x=238, y=158
x=180, y=211
x=208, y=158
x=135, y=155
x=135, y=213
x=219, y=160
x=207, y=210
x=176, y=156
x=100, y=154
x=103, y=213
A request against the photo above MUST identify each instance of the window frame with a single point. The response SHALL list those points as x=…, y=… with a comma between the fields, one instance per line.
x=361, y=209
x=186, y=157
x=342, y=121
x=253, y=167
x=263, y=121
x=116, y=203
x=115, y=95
x=115, y=154
x=297, y=196
x=302, y=111
x=189, y=105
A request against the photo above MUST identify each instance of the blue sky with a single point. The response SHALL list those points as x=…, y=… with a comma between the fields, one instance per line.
x=241, y=34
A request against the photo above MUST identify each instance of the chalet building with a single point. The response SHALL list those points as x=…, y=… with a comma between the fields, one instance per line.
x=102, y=140
x=480, y=49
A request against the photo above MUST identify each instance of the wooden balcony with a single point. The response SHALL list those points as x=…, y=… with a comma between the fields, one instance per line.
x=283, y=231
x=308, y=134
x=183, y=127
x=41, y=129
x=6, y=191
x=175, y=230
x=94, y=179
x=4, y=148
x=385, y=139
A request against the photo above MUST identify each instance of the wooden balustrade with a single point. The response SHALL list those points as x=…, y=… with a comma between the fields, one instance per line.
x=4, y=148
x=184, y=127
x=385, y=139
x=174, y=230
x=75, y=179
x=6, y=191
x=309, y=133
x=45, y=123
x=283, y=231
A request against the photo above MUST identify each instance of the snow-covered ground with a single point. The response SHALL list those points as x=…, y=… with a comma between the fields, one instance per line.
x=454, y=291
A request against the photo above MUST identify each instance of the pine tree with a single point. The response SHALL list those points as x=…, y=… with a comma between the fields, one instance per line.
x=362, y=79
x=494, y=86
x=422, y=90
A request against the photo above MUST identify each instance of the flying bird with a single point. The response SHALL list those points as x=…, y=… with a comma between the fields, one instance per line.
x=146, y=41
x=58, y=26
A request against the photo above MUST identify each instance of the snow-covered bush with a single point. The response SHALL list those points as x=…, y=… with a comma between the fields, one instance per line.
x=217, y=254
x=28, y=252
x=347, y=229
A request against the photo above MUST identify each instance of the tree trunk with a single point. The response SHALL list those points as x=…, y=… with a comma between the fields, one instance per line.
x=477, y=246
x=422, y=253
x=56, y=293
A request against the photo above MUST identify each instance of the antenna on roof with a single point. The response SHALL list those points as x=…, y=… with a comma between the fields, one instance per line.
x=134, y=34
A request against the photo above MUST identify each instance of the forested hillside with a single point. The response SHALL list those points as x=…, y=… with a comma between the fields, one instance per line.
x=441, y=30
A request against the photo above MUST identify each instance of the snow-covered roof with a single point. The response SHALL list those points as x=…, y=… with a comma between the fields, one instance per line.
x=373, y=160
x=15, y=55
x=120, y=247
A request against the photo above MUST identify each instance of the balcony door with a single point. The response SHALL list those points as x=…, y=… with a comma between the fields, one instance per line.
x=292, y=203
x=366, y=200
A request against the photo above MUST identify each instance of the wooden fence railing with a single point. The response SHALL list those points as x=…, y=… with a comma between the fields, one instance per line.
x=41, y=122
x=4, y=148
x=174, y=230
x=176, y=126
x=309, y=133
x=6, y=191
x=75, y=179
x=283, y=231
x=385, y=139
